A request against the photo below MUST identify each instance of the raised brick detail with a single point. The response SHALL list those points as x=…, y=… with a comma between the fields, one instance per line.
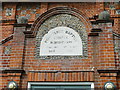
x=17, y=48
x=61, y=76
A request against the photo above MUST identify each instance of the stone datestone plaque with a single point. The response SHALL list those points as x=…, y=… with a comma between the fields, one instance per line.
x=62, y=41
x=61, y=36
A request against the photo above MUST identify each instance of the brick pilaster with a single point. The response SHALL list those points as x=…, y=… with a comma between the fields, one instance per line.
x=17, y=48
x=106, y=47
x=106, y=52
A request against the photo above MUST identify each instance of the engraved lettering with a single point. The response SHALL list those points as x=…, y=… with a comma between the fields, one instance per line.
x=61, y=41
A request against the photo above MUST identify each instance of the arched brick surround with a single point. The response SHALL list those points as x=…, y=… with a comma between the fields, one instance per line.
x=74, y=20
x=60, y=10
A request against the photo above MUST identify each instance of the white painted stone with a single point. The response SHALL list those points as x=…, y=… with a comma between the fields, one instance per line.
x=62, y=41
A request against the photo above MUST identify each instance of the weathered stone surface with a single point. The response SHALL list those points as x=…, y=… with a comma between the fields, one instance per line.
x=22, y=20
x=104, y=15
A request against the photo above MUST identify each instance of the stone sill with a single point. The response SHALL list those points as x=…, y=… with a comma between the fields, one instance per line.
x=13, y=71
x=102, y=21
x=96, y=30
x=93, y=34
x=21, y=25
x=108, y=71
x=55, y=71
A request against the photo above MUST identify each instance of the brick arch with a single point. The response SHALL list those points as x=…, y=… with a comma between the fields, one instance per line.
x=60, y=10
x=74, y=20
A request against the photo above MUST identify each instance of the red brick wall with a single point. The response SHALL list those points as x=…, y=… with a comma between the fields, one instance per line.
x=7, y=31
x=22, y=54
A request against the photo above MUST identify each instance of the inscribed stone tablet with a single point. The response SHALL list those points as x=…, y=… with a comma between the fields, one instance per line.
x=62, y=41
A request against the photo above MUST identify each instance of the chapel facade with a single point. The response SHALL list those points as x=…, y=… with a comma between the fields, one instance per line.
x=60, y=45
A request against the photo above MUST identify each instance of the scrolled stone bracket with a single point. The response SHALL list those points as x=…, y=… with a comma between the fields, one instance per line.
x=28, y=33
